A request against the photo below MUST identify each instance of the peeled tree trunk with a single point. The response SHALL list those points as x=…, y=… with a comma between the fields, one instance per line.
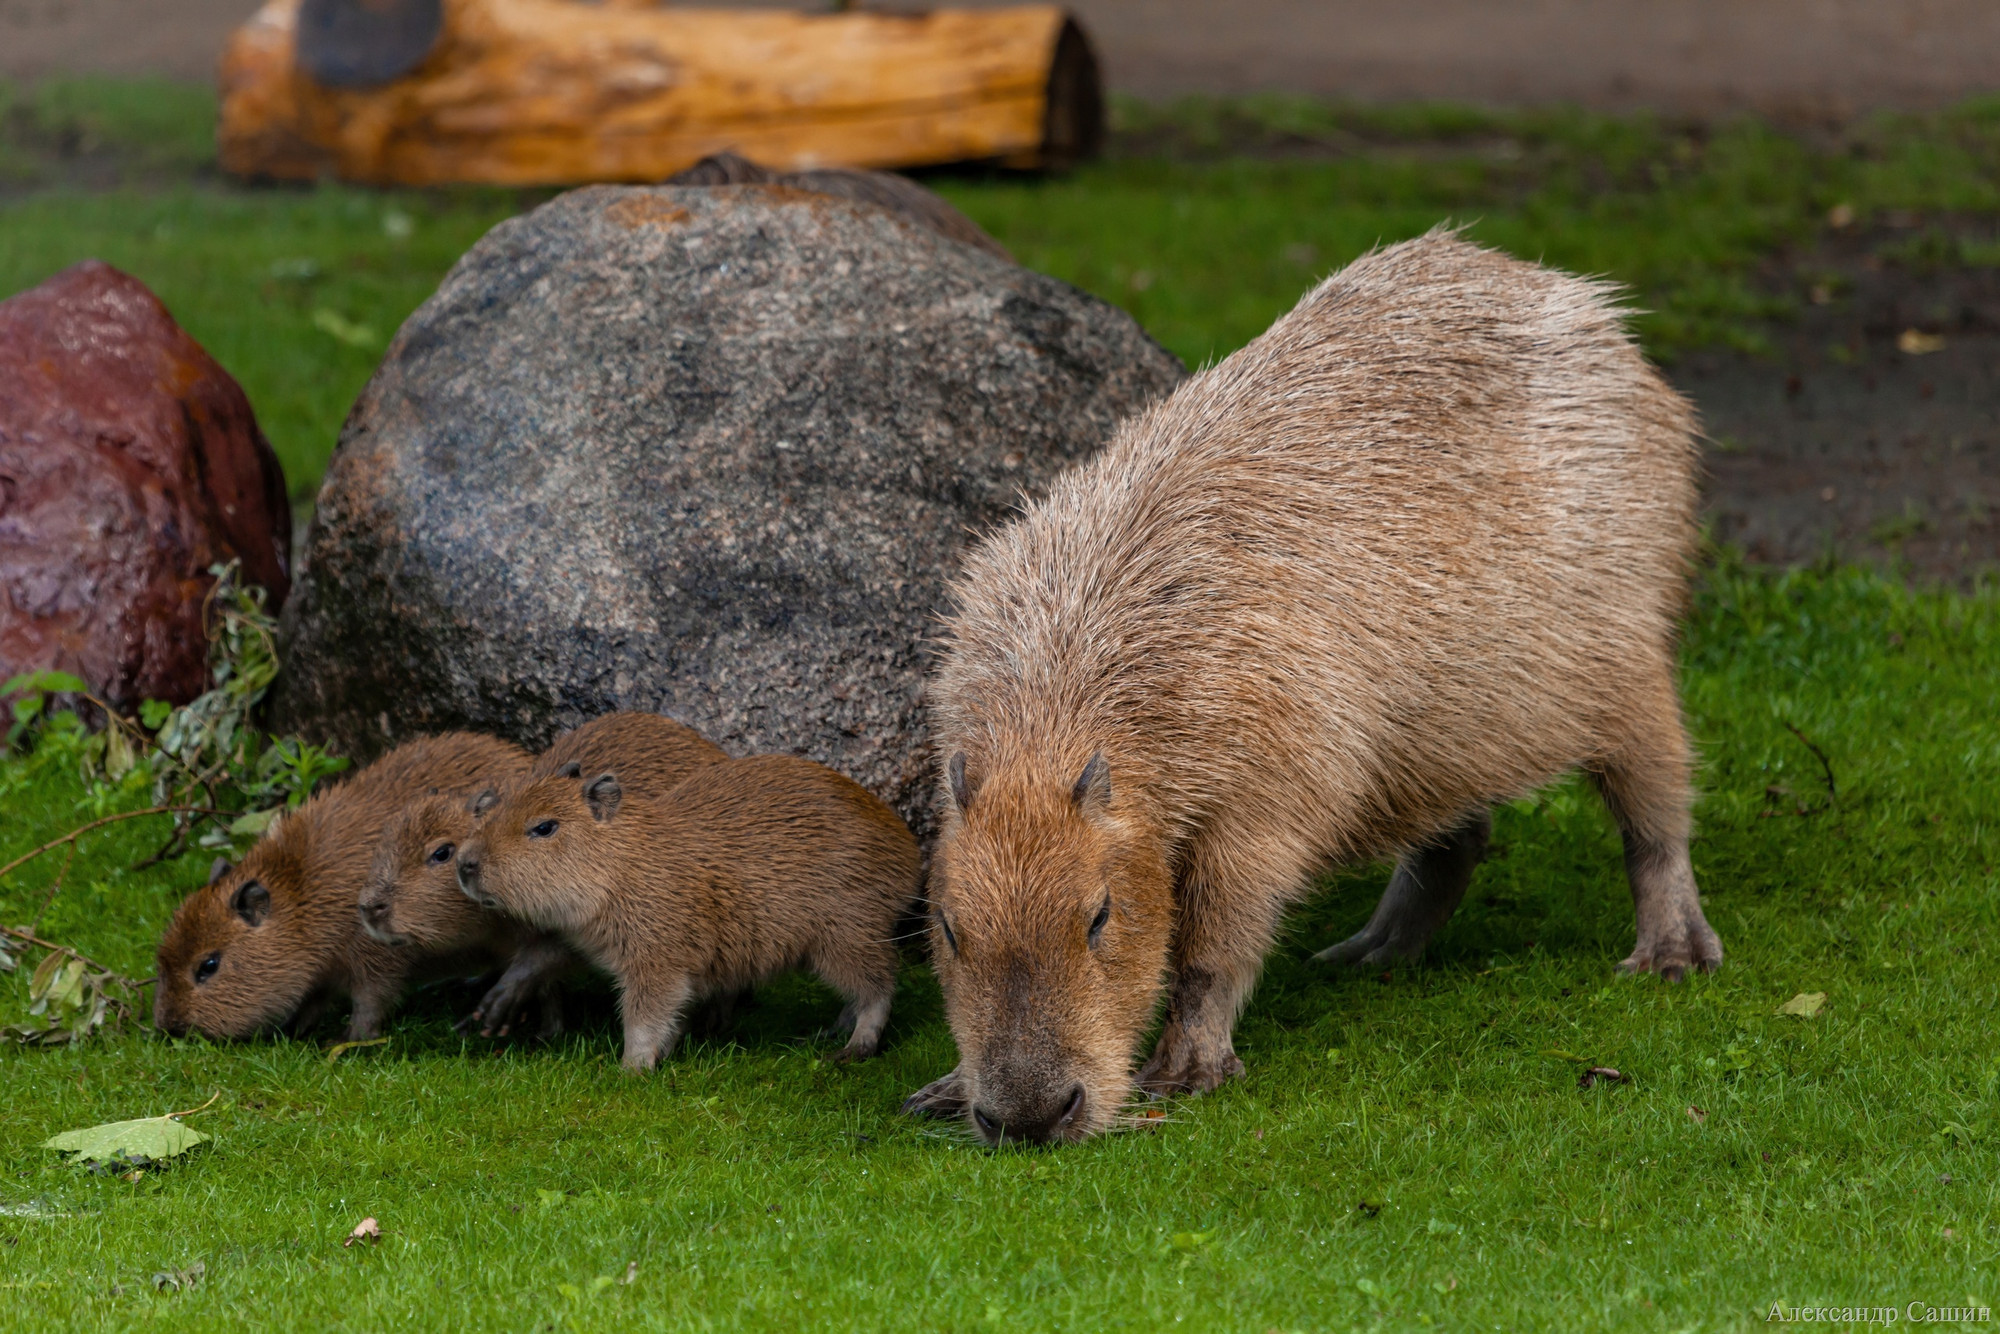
x=545, y=92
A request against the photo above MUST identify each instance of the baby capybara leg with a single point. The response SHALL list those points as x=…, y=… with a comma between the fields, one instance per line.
x=652, y=1020
x=533, y=971
x=1422, y=895
x=869, y=983
x=1646, y=785
x=943, y=1097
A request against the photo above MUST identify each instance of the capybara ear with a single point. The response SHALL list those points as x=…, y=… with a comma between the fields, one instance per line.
x=252, y=902
x=218, y=869
x=1092, y=793
x=484, y=802
x=603, y=796
x=961, y=792
x=574, y=769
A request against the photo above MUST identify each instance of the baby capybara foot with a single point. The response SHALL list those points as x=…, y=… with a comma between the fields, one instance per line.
x=1181, y=1065
x=943, y=1098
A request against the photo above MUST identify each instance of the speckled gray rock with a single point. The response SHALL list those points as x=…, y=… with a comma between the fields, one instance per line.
x=711, y=452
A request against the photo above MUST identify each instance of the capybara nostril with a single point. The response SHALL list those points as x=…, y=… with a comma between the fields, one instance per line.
x=374, y=910
x=1072, y=1109
x=468, y=875
x=988, y=1127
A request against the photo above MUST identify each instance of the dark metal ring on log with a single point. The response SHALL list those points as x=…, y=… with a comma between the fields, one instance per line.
x=547, y=92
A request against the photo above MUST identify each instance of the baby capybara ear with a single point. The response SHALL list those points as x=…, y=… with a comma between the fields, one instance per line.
x=603, y=796
x=574, y=769
x=484, y=802
x=252, y=902
x=218, y=868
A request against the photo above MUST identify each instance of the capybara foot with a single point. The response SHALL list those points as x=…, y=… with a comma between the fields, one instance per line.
x=943, y=1098
x=1181, y=1066
x=858, y=1050
x=1368, y=948
x=495, y=1014
x=1678, y=946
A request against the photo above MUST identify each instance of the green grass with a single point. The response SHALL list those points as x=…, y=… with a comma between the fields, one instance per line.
x=1403, y=1151
x=296, y=290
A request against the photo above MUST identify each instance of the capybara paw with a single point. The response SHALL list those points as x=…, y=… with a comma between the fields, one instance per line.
x=857, y=1051
x=1178, y=1068
x=943, y=1098
x=1673, y=954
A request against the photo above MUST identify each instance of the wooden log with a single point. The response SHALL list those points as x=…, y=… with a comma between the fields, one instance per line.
x=544, y=92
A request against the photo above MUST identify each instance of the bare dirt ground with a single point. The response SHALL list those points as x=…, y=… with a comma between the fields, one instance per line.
x=1776, y=56
x=1873, y=431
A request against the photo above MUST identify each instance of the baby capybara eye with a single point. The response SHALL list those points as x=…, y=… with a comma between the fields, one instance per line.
x=206, y=968
x=442, y=854
x=1097, y=922
x=543, y=830
x=949, y=938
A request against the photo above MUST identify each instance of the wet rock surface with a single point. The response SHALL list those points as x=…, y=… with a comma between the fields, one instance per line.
x=130, y=462
x=709, y=451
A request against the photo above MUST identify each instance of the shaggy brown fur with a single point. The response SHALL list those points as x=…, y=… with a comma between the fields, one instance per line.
x=270, y=941
x=1418, y=549
x=412, y=896
x=748, y=868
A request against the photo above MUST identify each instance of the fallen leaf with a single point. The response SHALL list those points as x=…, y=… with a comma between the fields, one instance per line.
x=1557, y=1053
x=1188, y=1241
x=631, y=1271
x=1368, y=1207
x=1589, y=1078
x=146, y=1142
x=367, y=1230
x=1697, y=1115
x=1804, y=1005
x=1917, y=343
x=1840, y=215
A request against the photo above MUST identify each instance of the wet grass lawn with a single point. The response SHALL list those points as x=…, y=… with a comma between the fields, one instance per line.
x=1407, y=1150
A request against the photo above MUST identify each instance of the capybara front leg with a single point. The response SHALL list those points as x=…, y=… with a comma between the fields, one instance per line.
x=653, y=1022
x=533, y=970
x=1649, y=794
x=1196, y=1051
x=1421, y=897
x=943, y=1097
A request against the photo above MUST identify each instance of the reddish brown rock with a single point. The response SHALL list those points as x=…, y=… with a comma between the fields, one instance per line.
x=129, y=463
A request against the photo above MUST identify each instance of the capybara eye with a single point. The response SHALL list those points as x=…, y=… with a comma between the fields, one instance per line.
x=206, y=968
x=442, y=854
x=1097, y=922
x=543, y=830
x=949, y=938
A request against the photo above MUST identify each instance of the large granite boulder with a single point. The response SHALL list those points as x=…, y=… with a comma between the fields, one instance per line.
x=713, y=452
x=129, y=464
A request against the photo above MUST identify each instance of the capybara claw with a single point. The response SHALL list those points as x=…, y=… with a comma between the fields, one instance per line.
x=943, y=1098
x=1171, y=1073
x=1695, y=949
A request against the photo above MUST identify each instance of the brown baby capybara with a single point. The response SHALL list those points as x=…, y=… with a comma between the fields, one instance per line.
x=748, y=868
x=268, y=942
x=412, y=896
x=1418, y=549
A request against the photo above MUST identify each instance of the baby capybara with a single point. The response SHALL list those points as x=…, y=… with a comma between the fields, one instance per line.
x=748, y=868
x=1419, y=548
x=267, y=942
x=412, y=896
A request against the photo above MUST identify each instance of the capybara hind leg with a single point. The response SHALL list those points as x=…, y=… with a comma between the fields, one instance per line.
x=943, y=1097
x=653, y=1022
x=869, y=983
x=373, y=997
x=1647, y=789
x=1421, y=897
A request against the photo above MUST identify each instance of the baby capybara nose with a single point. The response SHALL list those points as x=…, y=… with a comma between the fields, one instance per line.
x=374, y=910
x=468, y=875
x=1032, y=1125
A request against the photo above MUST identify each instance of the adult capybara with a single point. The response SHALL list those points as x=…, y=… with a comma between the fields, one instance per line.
x=748, y=868
x=268, y=942
x=1418, y=549
x=412, y=896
